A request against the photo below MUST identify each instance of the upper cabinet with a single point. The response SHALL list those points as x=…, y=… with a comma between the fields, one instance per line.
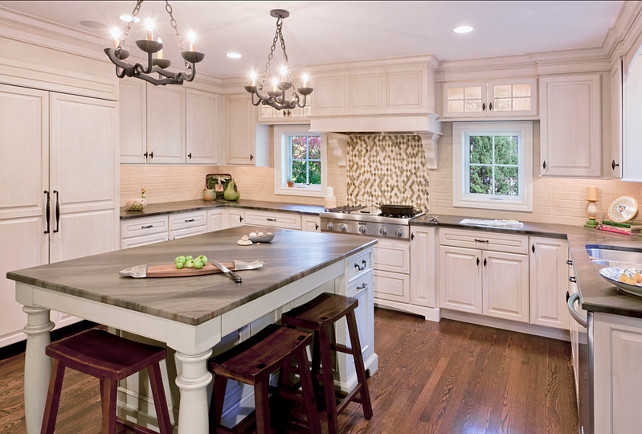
x=166, y=124
x=571, y=125
x=297, y=115
x=616, y=120
x=132, y=113
x=632, y=113
x=493, y=99
x=242, y=133
x=202, y=128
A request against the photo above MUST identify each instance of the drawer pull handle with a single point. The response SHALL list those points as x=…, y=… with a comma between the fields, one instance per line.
x=569, y=262
x=147, y=227
x=270, y=219
x=189, y=220
x=477, y=240
x=572, y=279
x=364, y=286
x=363, y=266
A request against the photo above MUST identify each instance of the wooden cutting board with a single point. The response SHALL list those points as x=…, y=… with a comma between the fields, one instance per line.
x=170, y=270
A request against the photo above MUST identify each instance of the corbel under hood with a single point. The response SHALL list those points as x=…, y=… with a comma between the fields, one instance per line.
x=337, y=129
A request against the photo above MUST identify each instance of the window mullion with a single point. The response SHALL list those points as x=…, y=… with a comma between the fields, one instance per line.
x=492, y=184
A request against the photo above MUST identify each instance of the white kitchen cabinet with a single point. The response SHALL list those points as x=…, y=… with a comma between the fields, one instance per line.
x=202, y=128
x=460, y=283
x=55, y=148
x=166, y=124
x=505, y=286
x=185, y=220
x=246, y=141
x=423, y=270
x=137, y=227
x=632, y=113
x=310, y=223
x=331, y=95
x=283, y=220
x=143, y=240
x=392, y=286
x=297, y=115
x=616, y=165
x=187, y=232
x=392, y=270
x=571, y=125
x=234, y=217
x=215, y=220
x=132, y=110
x=513, y=98
x=548, y=282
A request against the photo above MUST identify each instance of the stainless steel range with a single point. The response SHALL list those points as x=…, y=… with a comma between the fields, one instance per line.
x=368, y=221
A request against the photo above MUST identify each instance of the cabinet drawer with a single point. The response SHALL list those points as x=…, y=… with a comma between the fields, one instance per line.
x=392, y=255
x=392, y=286
x=143, y=226
x=187, y=232
x=143, y=241
x=359, y=265
x=483, y=240
x=277, y=220
x=187, y=220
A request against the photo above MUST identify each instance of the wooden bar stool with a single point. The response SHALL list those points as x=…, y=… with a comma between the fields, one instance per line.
x=109, y=358
x=319, y=315
x=252, y=361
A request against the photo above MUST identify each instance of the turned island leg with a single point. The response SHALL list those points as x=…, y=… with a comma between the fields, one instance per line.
x=37, y=365
x=192, y=381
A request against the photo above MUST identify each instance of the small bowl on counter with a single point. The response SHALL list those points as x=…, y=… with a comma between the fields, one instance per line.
x=261, y=237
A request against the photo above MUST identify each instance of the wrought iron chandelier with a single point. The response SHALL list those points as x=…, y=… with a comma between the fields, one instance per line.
x=117, y=54
x=276, y=96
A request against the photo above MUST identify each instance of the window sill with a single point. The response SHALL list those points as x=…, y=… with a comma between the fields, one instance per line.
x=502, y=205
x=299, y=191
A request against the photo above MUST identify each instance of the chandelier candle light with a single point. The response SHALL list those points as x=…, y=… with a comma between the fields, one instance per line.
x=117, y=54
x=276, y=96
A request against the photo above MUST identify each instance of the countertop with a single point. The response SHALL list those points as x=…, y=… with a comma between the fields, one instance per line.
x=292, y=255
x=195, y=205
x=596, y=294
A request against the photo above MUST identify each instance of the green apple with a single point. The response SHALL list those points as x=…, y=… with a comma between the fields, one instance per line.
x=189, y=264
x=188, y=258
x=180, y=265
x=180, y=259
x=198, y=263
x=203, y=258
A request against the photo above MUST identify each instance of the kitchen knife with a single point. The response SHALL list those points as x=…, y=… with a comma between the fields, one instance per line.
x=227, y=271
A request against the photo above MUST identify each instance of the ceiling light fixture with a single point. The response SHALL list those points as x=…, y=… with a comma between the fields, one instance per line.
x=276, y=97
x=234, y=55
x=463, y=29
x=117, y=53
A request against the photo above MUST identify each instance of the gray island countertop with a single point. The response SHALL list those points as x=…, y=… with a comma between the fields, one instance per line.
x=292, y=255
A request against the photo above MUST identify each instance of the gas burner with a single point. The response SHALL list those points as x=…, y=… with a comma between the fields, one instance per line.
x=403, y=216
x=346, y=209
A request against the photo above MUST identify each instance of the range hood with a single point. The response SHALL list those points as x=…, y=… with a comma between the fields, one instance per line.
x=338, y=129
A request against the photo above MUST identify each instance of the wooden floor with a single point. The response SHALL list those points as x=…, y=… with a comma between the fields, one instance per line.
x=446, y=377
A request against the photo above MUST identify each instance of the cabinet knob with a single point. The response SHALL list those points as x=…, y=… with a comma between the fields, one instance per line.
x=544, y=165
x=412, y=235
x=477, y=261
x=251, y=157
x=614, y=165
x=490, y=106
x=483, y=106
x=145, y=154
x=151, y=154
x=485, y=262
x=316, y=226
x=189, y=155
x=533, y=248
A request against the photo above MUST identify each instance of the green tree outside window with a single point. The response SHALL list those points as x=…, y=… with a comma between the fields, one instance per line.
x=305, y=160
x=493, y=165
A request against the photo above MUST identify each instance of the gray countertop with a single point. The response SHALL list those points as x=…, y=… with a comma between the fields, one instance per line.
x=195, y=205
x=596, y=294
x=292, y=255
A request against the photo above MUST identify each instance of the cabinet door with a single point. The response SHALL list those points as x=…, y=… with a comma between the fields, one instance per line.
x=311, y=223
x=283, y=220
x=166, y=124
x=234, y=218
x=392, y=255
x=24, y=176
x=571, y=125
x=132, y=110
x=616, y=120
x=464, y=100
x=549, y=282
x=632, y=151
x=460, y=285
x=84, y=174
x=143, y=240
x=514, y=98
x=330, y=95
x=202, y=127
x=240, y=133
x=405, y=90
x=215, y=220
x=505, y=286
x=366, y=93
x=188, y=232
x=423, y=285
x=392, y=286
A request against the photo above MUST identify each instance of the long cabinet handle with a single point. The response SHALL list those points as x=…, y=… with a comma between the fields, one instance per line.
x=270, y=219
x=48, y=210
x=57, y=211
x=481, y=241
x=189, y=220
x=147, y=227
x=364, y=286
x=570, y=303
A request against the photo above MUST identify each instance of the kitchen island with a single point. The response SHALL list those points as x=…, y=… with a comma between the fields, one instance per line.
x=191, y=315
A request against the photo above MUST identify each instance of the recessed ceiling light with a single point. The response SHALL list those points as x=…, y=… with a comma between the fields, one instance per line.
x=463, y=29
x=93, y=24
x=234, y=55
x=127, y=18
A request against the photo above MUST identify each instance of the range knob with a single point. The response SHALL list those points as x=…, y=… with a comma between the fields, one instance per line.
x=383, y=231
x=399, y=232
x=330, y=226
x=343, y=227
x=362, y=229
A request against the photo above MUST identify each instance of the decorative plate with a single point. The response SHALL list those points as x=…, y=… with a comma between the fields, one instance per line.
x=613, y=274
x=623, y=209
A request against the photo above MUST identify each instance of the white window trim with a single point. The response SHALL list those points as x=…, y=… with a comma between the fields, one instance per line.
x=463, y=199
x=281, y=161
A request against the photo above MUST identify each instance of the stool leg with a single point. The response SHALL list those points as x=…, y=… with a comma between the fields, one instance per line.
x=314, y=425
x=328, y=382
x=262, y=407
x=160, y=402
x=53, y=397
x=108, y=399
x=316, y=363
x=358, y=362
x=216, y=404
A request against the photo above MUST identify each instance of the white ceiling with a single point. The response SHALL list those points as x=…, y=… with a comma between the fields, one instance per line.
x=328, y=32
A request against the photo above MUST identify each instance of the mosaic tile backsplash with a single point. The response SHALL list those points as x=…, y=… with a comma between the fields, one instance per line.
x=387, y=169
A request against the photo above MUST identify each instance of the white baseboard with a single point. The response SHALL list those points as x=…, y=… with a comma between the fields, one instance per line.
x=429, y=313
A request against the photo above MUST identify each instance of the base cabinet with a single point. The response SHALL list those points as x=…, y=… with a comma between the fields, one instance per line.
x=460, y=285
x=423, y=266
x=310, y=223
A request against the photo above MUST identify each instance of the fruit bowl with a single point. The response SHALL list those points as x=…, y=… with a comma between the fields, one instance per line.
x=261, y=237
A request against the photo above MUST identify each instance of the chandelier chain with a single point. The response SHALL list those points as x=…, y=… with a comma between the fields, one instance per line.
x=130, y=24
x=172, y=22
x=278, y=37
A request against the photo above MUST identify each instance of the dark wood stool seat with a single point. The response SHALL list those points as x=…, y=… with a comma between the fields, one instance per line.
x=109, y=358
x=319, y=315
x=252, y=361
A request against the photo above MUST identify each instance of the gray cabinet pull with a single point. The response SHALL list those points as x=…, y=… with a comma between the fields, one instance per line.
x=363, y=266
x=147, y=227
x=364, y=286
x=572, y=279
